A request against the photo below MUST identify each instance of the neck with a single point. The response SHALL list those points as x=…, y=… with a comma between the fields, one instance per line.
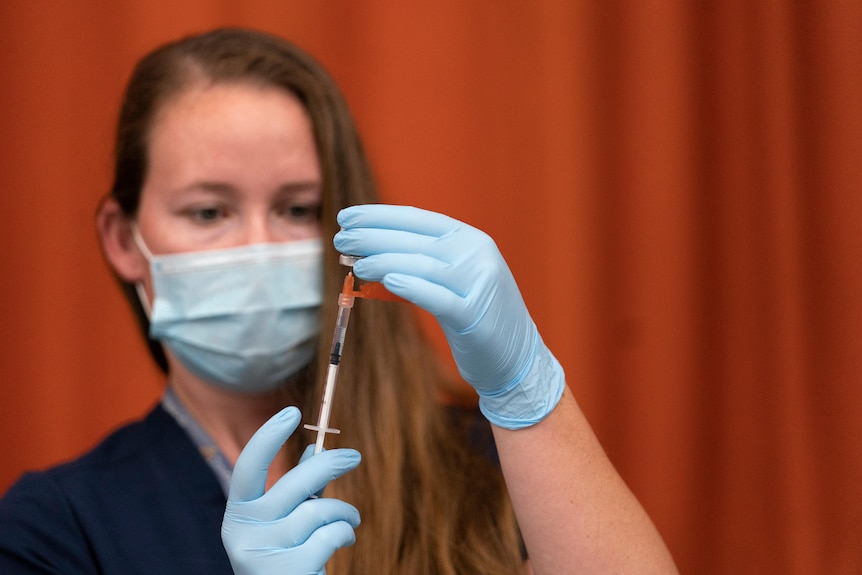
x=230, y=418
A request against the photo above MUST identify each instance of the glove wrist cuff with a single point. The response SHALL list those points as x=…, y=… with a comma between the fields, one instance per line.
x=529, y=400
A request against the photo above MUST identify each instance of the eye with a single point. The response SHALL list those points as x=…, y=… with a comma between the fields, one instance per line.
x=300, y=212
x=206, y=214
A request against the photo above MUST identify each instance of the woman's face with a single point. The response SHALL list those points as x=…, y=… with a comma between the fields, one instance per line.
x=230, y=164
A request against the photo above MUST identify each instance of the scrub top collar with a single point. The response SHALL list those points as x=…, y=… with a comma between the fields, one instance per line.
x=205, y=444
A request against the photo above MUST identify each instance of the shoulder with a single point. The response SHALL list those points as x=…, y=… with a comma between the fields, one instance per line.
x=35, y=513
x=39, y=525
x=107, y=505
x=124, y=451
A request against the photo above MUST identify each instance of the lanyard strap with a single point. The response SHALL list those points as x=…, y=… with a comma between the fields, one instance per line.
x=206, y=446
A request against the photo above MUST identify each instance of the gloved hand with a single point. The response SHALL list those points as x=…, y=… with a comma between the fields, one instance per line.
x=284, y=530
x=456, y=272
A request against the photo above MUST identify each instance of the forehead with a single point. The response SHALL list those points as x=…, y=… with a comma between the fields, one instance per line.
x=201, y=98
x=238, y=132
x=232, y=115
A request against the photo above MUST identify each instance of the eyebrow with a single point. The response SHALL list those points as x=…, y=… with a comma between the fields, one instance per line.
x=209, y=187
x=223, y=188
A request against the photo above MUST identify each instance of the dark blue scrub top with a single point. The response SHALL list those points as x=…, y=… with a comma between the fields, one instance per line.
x=143, y=501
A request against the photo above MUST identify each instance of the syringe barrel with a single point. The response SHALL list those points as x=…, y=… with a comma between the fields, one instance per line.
x=345, y=303
x=338, y=335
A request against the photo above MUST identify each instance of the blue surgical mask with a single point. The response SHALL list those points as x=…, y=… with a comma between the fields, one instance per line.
x=242, y=318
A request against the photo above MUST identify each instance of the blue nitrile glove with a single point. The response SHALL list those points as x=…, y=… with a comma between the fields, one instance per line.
x=285, y=530
x=456, y=272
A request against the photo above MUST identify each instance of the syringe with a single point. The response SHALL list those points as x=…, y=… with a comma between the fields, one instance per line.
x=345, y=303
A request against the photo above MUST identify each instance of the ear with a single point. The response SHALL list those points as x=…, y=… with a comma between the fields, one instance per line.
x=118, y=244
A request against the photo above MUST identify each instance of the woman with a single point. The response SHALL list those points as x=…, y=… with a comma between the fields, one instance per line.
x=236, y=162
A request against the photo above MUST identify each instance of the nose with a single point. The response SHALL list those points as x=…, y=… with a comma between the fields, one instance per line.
x=258, y=230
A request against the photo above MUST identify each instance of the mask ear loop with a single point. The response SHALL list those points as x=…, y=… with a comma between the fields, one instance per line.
x=148, y=255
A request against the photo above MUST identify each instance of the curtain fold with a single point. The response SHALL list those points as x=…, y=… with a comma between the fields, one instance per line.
x=677, y=187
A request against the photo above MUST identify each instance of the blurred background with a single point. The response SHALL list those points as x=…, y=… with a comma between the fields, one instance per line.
x=676, y=185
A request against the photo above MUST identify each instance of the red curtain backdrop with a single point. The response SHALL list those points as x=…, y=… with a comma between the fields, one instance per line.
x=676, y=186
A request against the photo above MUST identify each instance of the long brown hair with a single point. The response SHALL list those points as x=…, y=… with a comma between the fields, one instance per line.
x=428, y=504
